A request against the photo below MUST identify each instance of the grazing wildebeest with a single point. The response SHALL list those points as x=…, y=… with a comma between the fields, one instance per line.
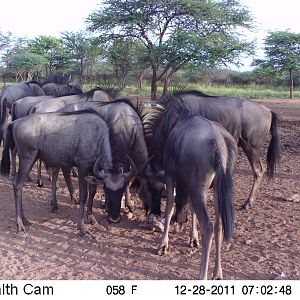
x=126, y=129
x=248, y=122
x=64, y=140
x=196, y=154
x=59, y=90
x=54, y=104
x=12, y=93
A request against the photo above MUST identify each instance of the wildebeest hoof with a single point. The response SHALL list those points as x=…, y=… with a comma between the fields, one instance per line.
x=194, y=243
x=218, y=276
x=162, y=250
x=246, y=206
x=26, y=222
x=156, y=223
x=92, y=220
x=54, y=210
x=75, y=201
x=21, y=228
x=74, y=173
x=40, y=183
x=114, y=220
x=29, y=179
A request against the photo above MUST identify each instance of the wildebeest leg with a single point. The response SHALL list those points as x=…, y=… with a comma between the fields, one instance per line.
x=218, y=241
x=194, y=238
x=39, y=182
x=74, y=173
x=25, y=165
x=66, y=173
x=128, y=202
x=92, y=192
x=198, y=200
x=54, y=206
x=164, y=244
x=258, y=171
x=82, y=173
x=181, y=201
x=13, y=162
x=49, y=172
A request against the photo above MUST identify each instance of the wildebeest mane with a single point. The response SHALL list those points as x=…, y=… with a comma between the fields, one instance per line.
x=80, y=112
x=32, y=81
x=89, y=94
x=124, y=142
x=158, y=124
x=192, y=92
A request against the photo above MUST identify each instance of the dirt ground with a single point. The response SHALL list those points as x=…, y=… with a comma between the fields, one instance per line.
x=266, y=239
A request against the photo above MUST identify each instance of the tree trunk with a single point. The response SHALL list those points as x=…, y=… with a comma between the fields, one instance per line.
x=291, y=85
x=154, y=84
x=140, y=80
x=166, y=85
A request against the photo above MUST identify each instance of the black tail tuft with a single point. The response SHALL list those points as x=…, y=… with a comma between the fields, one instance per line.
x=224, y=191
x=273, y=155
x=9, y=144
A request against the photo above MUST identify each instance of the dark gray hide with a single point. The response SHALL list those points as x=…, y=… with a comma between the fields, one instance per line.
x=127, y=139
x=12, y=93
x=57, y=90
x=61, y=141
x=198, y=154
x=248, y=122
x=20, y=109
x=55, y=104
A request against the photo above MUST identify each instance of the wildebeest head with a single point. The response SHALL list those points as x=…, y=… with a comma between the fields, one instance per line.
x=114, y=183
x=75, y=88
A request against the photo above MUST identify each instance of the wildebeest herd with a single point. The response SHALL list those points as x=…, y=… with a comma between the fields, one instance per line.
x=187, y=143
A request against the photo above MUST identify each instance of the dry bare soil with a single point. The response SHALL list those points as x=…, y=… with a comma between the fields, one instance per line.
x=265, y=243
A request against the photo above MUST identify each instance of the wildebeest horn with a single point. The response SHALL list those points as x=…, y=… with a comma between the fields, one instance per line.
x=96, y=169
x=143, y=168
x=160, y=175
x=132, y=170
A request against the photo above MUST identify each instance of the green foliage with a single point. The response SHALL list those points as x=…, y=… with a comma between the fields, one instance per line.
x=5, y=40
x=282, y=49
x=53, y=50
x=175, y=32
x=83, y=50
x=25, y=64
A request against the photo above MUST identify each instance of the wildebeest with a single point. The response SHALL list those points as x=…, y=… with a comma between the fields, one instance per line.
x=12, y=93
x=56, y=103
x=58, y=90
x=197, y=154
x=64, y=140
x=248, y=122
x=126, y=129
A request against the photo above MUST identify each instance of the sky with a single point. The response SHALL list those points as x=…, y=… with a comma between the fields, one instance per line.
x=31, y=18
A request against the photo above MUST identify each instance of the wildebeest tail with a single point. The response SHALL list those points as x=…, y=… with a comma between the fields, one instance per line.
x=273, y=155
x=9, y=144
x=2, y=117
x=224, y=188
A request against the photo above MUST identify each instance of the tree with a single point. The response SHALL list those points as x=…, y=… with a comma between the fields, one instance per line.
x=5, y=40
x=53, y=50
x=25, y=65
x=82, y=49
x=282, y=51
x=175, y=32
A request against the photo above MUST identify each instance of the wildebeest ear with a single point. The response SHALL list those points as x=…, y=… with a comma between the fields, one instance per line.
x=92, y=180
